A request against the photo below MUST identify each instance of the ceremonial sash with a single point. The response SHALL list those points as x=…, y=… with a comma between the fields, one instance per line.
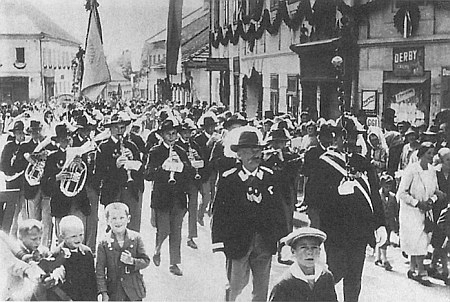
x=362, y=183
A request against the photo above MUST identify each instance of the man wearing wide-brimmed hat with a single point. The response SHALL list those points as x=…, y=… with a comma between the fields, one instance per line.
x=170, y=170
x=119, y=169
x=248, y=217
x=197, y=159
x=54, y=173
x=14, y=176
x=286, y=166
x=32, y=206
x=82, y=135
x=206, y=140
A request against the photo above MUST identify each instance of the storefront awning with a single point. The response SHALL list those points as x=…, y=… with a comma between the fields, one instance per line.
x=411, y=80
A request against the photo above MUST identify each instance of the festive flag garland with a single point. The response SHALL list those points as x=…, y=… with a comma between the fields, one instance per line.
x=265, y=24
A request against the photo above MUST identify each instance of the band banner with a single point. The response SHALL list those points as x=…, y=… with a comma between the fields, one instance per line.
x=96, y=72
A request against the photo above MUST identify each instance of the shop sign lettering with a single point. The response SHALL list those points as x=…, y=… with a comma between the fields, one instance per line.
x=405, y=95
x=446, y=71
x=373, y=121
x=408, y=61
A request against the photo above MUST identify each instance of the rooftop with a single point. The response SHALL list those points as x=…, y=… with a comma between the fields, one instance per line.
x=19, y=17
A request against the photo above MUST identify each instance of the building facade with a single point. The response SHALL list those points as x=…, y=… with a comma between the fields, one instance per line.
x=404, y=55
x=263, y=73
x=35, y=55
x=191, y=83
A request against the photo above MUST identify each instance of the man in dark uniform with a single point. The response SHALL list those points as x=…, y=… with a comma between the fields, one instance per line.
x=286, y=166
x=349, y=207
x=120, y=170
x=192, y=149
x=206, y=141
x=310, y=163
x=32, y=205
x=170, y=169
x=248, y=218
x=14, y=177
x=54, y=173
x=81, y=137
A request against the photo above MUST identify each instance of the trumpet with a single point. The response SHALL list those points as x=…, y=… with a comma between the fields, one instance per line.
x=195, y=162
x=122, y=151
x=173, y=164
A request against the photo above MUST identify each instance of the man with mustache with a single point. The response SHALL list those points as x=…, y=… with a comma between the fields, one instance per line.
x=248, y=217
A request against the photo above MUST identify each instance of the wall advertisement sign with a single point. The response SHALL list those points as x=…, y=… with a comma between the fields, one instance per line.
x=408, y=61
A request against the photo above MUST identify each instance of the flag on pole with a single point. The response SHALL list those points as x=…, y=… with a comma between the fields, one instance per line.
x=96, y=73
x=173, y=35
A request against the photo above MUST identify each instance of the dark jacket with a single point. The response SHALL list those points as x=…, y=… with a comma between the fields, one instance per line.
x=218, y=161
x=347, y=219
x=202, y=140
x=113, y=178
x=293, y=289
x=112, y=273
x=80, y=283
x=311, y=161
x=165, y=195
x=203, y=172
x=60, y=204
x=9, y=167
x=236, y=220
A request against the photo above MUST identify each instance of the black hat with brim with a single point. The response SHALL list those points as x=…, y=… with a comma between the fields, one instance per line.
x=18, y=126
x=61, y=132
x=235, y=119
x=168, y=125
x=34, y=126
x=278, y=135
x=247, y=139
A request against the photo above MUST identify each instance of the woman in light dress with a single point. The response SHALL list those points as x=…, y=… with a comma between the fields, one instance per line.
x=417, y=193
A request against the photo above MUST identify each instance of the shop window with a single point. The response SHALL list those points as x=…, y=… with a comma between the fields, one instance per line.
x=292, y=93
x=20, y=55
x=225, y=11
x=216, y=13
x=237, y=10
x=274, y=93
x=237, y=92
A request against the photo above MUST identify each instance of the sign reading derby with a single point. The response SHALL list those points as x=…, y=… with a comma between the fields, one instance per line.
x=408, y=61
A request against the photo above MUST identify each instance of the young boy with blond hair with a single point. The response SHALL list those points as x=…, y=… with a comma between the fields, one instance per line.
x=80, y=283
x=120, y=257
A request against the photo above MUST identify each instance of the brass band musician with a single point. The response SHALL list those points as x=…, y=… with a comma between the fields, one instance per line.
x=14, y=177
x=120, y=170
x=169, y=168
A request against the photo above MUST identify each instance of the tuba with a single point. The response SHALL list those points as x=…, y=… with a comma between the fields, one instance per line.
x=77, y=170
x=34, y=171
x=73, y=185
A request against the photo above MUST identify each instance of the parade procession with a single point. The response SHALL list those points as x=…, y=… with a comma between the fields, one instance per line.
x=224, y=150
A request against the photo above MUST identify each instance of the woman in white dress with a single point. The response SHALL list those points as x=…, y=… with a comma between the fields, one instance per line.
x=417, y=193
